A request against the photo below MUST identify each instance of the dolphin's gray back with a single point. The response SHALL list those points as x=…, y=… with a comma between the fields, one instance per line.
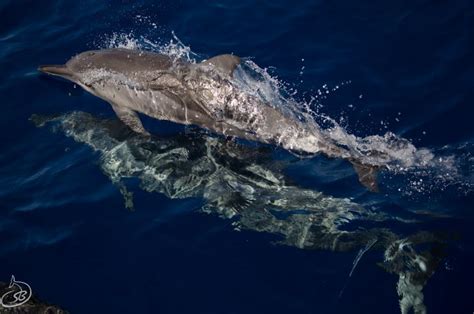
x=125, y=61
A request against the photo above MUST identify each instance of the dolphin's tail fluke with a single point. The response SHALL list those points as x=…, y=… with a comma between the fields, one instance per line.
x=367, y=175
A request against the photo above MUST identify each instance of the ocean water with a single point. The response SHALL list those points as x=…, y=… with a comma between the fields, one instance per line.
x=100, y=220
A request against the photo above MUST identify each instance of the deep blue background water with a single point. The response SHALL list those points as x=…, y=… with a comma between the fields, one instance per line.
x=63, y=227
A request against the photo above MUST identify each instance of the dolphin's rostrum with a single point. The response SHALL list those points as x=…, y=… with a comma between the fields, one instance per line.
x=203, y=94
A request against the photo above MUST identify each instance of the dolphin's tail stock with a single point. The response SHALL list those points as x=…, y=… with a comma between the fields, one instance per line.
x=367, y=175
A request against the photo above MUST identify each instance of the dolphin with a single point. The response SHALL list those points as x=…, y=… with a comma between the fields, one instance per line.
x=202, y=94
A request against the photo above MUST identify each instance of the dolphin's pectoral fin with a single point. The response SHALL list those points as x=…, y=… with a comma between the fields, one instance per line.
x=130, y=118
x=127, y=196
x=225, y=63
x=367, y=175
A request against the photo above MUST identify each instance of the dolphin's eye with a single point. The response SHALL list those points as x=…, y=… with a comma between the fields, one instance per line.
x=91, y=54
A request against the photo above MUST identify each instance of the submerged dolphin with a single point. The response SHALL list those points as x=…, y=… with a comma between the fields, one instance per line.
x=239, y=183
x=202, y=94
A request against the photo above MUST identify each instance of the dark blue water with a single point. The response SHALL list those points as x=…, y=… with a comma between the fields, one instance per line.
x=404, y=67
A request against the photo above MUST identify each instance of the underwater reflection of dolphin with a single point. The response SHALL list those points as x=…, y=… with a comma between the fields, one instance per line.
x=202, y=94
x=247, y=186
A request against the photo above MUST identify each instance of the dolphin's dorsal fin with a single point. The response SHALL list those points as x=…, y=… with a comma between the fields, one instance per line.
x=367, y=175
x=224, y=63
